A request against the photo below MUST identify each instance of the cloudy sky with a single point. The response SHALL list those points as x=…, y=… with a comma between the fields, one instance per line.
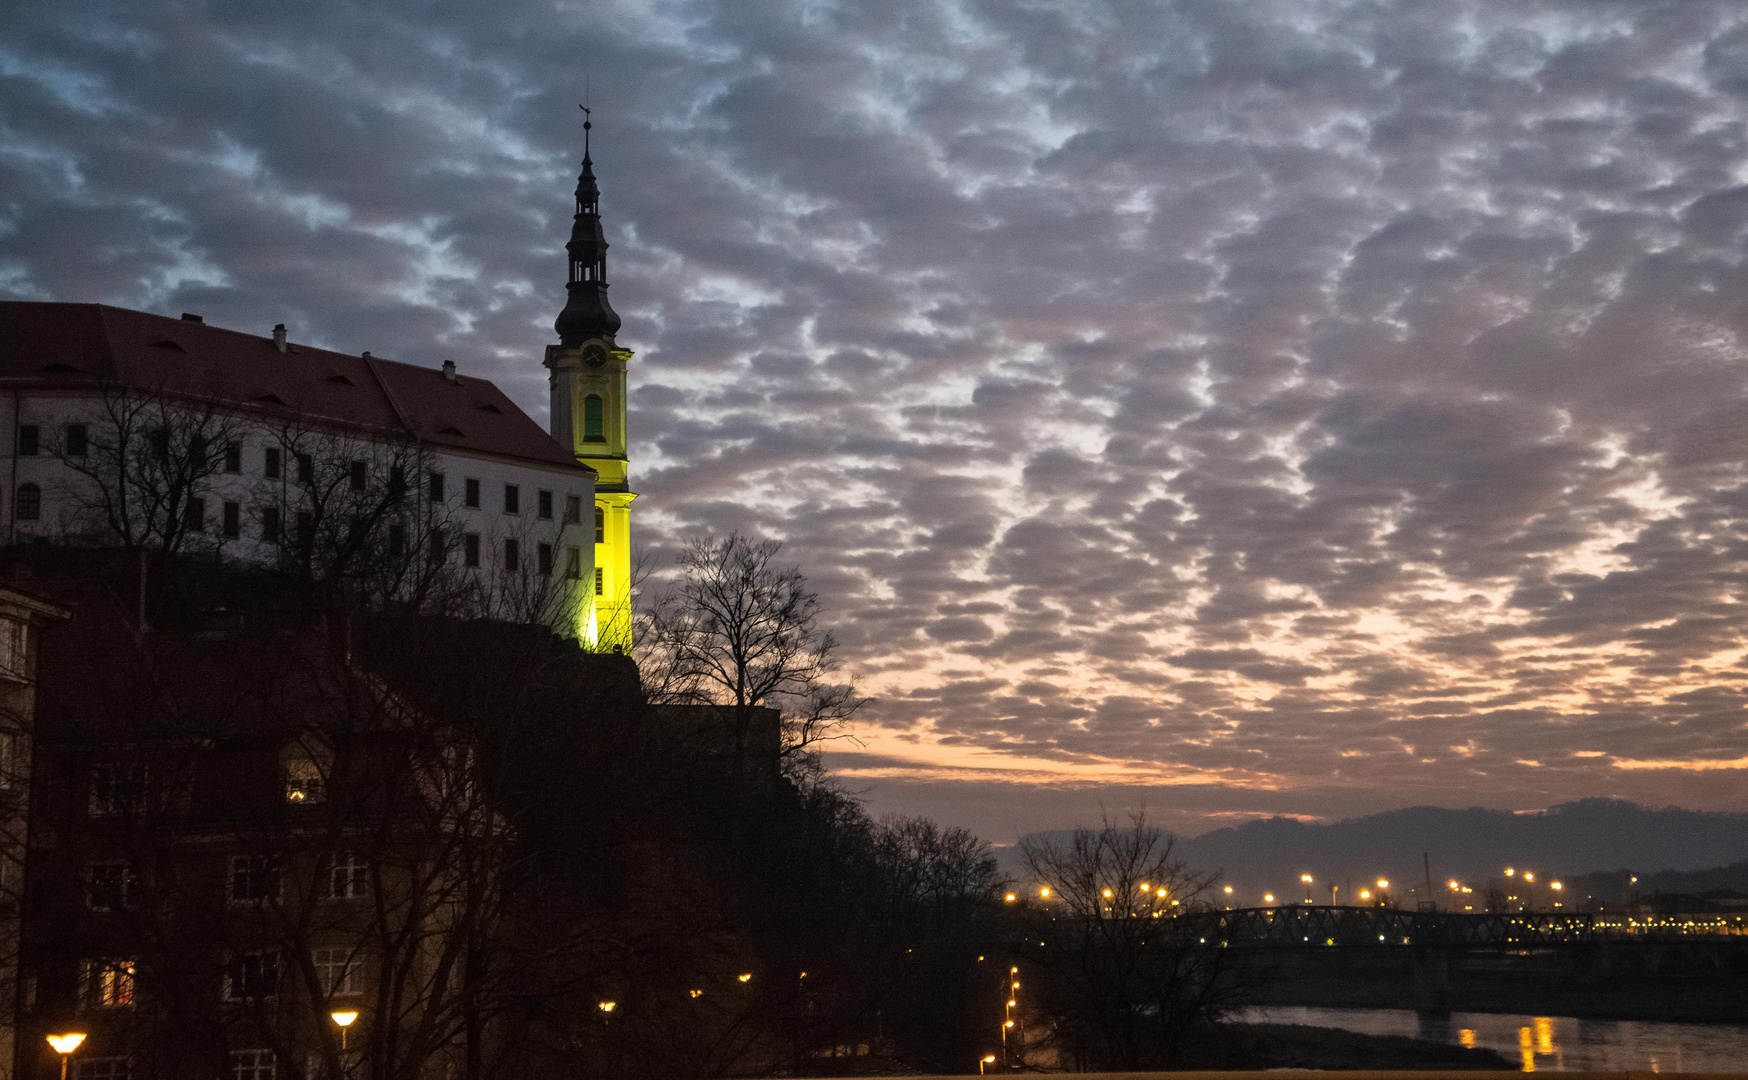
x=1275, y=407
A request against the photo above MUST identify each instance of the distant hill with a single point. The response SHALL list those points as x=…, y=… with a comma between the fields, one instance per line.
x=1473, y=844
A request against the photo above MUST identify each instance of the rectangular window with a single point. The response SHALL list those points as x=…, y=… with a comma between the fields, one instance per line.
x=600, y=582
x=304, y=782
x=397, y=483
x=252, y=975
x=78, y=440
x=252, y=1065
x=254, y=879
x=512, y=556
x=543, y=557
x=233, y=520
x=233, y=457
x=334, y=971
x=270, y=464
x=359, y=475
x=470, y=493
x=543, y=505
x=110, y=886
x=270, y=524
x=194, y=514
x=306, y=533
x=438, y=549
x=436, y=489
x=573, y=510
x=118, y=789
x=470, y=550
x=29, y=440
x=600, y=525
x=512, y=499
x=100, y=1068
x=306, y=469
x=12, y=762
x=397, y=540
x=347, y=877
x=106, y=984
x=573, y=563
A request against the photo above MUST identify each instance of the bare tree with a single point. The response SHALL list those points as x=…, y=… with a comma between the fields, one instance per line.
x=145, y=465
x=742, y=631
x=1118, y=979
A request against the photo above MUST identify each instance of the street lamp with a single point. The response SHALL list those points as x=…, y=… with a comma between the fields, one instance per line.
x=1306, y=878
x=987, y=1059
x=344, y=1018
x=65, y=1045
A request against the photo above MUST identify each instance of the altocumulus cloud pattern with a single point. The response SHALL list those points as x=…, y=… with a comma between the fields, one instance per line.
x=1276, y=399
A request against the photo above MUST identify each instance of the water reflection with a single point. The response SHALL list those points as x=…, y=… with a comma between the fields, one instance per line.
x=1544, y=1043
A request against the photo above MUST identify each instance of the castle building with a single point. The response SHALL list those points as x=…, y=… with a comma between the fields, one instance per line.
x=173, y=436
x=588, y=409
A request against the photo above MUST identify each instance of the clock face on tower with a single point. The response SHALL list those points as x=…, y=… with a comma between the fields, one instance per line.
x=594, y=356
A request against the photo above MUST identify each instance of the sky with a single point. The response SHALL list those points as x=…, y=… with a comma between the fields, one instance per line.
x=1242, y=408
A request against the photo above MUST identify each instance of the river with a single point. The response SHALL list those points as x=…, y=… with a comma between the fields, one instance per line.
x=1543, y=1043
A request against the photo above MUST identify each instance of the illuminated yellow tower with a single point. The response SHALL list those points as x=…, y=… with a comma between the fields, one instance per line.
x=588, y=415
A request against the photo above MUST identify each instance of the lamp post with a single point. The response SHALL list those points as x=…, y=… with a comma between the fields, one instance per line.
x=65, y=1045
x=982, y=1062
x=344, y=1018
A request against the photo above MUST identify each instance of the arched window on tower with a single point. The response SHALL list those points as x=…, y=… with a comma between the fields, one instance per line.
x=593, y=430
x=29, y=502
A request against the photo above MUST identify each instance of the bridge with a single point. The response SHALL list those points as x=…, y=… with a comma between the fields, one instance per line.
x=1295, y=926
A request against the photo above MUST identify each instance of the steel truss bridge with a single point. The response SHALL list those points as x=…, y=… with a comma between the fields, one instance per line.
x=1296, y=926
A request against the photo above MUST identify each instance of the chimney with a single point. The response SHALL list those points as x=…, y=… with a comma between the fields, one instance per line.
x=189, y=316
x=449, y=370
x=279, y=337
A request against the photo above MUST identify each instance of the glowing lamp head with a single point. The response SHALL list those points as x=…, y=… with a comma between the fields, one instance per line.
x=1011, y=898
x=988, y=1059
x=1365, y=894
x=1509, y=872
x=344, y=1017
x=1107, y=894
x=1382, y=884
x=1010, y=1023
x=1527, y=876
x=1228, y=890
x=66, y=1044
x=695, y=993
x=1268, y=898
x=1555, y=885
x=607, y=1006
x=1044, y=892
x=1306, y=878
x=747, y=977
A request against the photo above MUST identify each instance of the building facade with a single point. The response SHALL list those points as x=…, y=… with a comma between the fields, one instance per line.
x=416, y=484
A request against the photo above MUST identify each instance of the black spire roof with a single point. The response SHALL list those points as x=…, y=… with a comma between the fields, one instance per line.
x=586, y=313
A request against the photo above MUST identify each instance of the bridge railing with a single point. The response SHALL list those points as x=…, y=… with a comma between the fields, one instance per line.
x=1312, y=926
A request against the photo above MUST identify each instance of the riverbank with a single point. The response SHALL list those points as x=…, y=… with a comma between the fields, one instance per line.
x=1298, y=1046
x=1547, y=995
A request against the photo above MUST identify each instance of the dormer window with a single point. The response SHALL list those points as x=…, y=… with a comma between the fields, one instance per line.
x=593, y=425
x=306, y=774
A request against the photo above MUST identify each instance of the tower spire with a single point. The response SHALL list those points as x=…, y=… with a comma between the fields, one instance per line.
x=586, y=314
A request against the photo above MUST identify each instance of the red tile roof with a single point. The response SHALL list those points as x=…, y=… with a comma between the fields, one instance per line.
x=86, y=346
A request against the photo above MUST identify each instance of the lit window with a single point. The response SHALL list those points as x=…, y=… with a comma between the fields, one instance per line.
x=304, y=779
x=592, y=422
x=106, y=984
x=600, y=582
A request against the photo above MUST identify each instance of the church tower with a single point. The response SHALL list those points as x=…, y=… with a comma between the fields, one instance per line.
x=588, y=414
